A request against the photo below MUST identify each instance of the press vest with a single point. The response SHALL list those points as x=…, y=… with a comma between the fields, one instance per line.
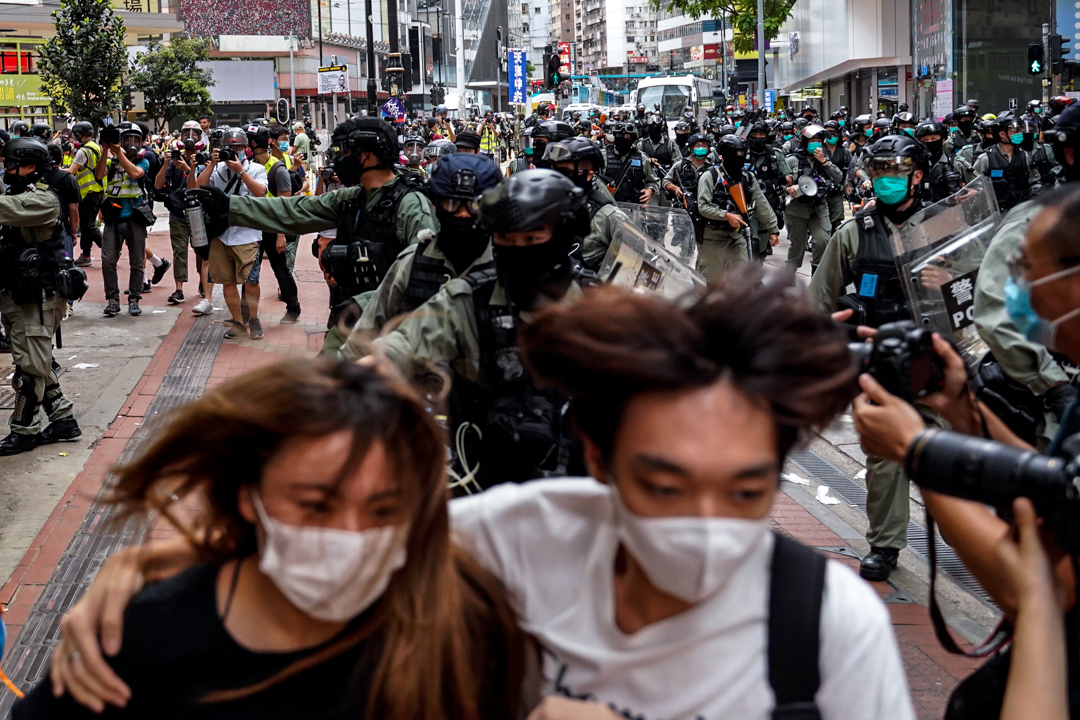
x=87, y=182
x=121, y=185
x=269, y=164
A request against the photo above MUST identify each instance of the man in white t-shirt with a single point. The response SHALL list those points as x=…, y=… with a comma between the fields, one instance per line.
x=234, y=256
x=648, y=587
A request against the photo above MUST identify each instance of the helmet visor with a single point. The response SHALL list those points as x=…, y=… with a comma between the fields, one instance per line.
x=558, y=153
x=892, y=166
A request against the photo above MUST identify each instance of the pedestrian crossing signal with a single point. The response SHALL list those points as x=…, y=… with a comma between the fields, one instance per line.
x=1035, y=59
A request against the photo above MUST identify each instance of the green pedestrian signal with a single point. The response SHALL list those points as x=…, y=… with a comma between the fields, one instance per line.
x=1035, y=59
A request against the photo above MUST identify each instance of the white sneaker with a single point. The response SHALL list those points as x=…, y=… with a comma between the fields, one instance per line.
x=203, y=308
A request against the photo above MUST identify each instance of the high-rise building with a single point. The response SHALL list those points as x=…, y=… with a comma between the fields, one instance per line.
x=618, y=37
x=536, y=30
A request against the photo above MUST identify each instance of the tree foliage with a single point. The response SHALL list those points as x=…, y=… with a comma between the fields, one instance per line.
x=83, y=64
x=741, y=15
x=170, y=78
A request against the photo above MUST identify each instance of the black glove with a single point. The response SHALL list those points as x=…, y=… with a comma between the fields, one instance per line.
x=215, y=205
x=1058, y=398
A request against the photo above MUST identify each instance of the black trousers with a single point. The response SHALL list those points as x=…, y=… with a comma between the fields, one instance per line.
x=90, y=236
x=279, y=265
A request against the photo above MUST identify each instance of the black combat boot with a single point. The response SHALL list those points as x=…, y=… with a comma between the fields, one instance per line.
x=878, y=564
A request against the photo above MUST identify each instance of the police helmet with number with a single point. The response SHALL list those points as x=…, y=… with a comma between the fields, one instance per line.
x=463, y=176
x=366, y=134
x=530, y=199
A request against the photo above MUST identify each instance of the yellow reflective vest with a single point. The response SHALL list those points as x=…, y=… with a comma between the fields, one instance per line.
x=85, y=177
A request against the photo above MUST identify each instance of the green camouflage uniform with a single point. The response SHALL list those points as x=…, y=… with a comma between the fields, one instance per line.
x=809, y=219
x=602, y=228
x=724, y=244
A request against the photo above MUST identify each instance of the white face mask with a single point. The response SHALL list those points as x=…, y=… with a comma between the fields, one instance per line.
x=688, y=557
x=332, y=575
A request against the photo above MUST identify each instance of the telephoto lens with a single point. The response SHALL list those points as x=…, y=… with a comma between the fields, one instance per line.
x=995, y=474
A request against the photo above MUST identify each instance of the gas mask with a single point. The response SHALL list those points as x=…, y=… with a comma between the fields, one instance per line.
x=131, y=152
x=623, y=145
x=655, y=133
x=681, y=138
x=756, y=144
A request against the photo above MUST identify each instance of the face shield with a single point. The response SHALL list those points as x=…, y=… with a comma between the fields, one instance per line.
x=131, y=144
x=414, y=148
x=898, y=167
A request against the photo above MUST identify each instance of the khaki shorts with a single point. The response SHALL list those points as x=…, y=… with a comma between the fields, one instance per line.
x=233, y=264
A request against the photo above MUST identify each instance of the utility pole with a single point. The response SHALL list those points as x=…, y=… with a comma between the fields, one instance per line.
x=372, y=90
x=1047, y=66
x=761, y=54
x=320, y=34
x=292, y=74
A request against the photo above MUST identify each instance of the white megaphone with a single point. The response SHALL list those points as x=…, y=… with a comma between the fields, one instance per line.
x=807, y=186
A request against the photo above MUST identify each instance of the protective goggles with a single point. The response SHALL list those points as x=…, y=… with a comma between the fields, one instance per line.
x=414, y=147
x=892, y=167
x=453, y=205
x=1026, y=126
x=190, y=134
x=558, y=153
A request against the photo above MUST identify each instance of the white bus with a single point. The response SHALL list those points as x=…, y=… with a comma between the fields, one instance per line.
x=673, y=93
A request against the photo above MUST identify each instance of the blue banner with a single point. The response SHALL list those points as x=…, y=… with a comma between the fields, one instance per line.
x=770, y=100
x=516, y=64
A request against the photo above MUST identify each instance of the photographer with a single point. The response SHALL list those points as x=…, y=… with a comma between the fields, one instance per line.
x=126, y=215
x=88, y=167
x=1045, y=283
x=234, y=254
x=442, y=127
x=173, y=176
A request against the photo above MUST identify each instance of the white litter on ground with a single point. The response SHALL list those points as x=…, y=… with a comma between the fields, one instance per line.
x=824, y=497
x=85, y=366
x=793, y=478
x=861, y=475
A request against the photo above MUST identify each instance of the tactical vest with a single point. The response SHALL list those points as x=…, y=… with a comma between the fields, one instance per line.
x=807, y=167
x=722, y=198
x=595, y=200
x=370, y=236
x=941, y=182
x=959, y=141
x=1009, y=177
x=633, y=181
x=841, y=158
x=878, y=289
x=1044, y=162
x=87, y=182
x=27, y=268
x=427, y=275
x=660, y=151
x=524, y=429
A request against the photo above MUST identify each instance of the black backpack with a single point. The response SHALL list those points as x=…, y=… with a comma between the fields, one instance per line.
x=796, y=588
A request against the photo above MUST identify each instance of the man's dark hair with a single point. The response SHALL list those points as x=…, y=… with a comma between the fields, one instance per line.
x=277, y=131
x=206, y=116
x=765, y=338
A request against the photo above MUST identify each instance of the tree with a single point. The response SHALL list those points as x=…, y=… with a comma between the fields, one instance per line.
x=170, y=78
x=82, y=66
x=742, y=14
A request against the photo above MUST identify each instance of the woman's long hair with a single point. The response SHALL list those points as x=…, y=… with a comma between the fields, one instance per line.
x=442, y=621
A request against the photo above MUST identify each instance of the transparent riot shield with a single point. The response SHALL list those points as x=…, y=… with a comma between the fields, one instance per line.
x=670, y=227
x=938, y=253
x=655, y=251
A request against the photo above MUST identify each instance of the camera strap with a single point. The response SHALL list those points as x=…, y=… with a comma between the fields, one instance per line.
x=1001, y=635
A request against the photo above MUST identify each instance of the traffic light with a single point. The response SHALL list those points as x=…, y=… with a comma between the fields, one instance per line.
x=1035, y=59
x=552, y=77
x=1059, y=47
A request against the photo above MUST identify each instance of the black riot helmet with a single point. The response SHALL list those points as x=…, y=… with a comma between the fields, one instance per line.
x=881, y=127
x=42, y=130
x=463, y=176
x=732, y=150
x=859, y=123
x=366, y=134
x=23, y=151
x=787, y=130
x=799, y=124
x=930, y=127
x=552, y=131
x=897, y=154
x=574, y=150
x=964, y=118
x=20, y=128
x=758, y=137
x=530, y=199
x=683, y=128
x=82, y=130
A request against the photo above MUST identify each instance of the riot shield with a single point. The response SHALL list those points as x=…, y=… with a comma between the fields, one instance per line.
x=670, y=227
x=938, y=253
x=655, y=251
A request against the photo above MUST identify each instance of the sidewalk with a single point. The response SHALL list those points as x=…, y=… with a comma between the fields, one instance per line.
x=69, y=548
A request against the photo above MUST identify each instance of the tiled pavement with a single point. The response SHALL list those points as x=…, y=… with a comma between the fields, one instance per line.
x=932, y=672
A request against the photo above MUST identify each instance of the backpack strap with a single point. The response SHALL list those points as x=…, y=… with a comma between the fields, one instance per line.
x=796, y=588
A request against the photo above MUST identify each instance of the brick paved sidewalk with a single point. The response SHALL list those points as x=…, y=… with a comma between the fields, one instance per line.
x=932, y=672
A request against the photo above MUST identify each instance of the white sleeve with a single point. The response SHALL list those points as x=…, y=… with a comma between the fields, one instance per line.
x=862, y=677
x=479, y=525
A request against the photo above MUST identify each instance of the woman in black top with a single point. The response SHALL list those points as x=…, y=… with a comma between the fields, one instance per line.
x=329, y=587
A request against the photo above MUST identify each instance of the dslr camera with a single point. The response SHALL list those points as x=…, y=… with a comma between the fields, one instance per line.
x=225, y=154
x=901, y=357
x=994, y=474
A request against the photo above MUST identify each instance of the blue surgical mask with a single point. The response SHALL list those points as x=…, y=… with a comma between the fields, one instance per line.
x=813, y=147
x=701, y=152
x=841, y=123
x=283, y=145
x=1017, y=138
x=910, y=132
x=868, y=132
x=788, y=137
x=832, y=140
x=891, y=190
x=1027, y=321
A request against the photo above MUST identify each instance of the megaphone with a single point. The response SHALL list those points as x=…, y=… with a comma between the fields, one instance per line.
x=807, y=186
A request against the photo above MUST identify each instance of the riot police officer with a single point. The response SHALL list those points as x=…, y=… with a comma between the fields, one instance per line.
x=964, y=163
x=808, y=215
x=536, y=217
x=1042, y=155
x=682, y=135
x=682, y=180
x=964, y=133
x=730, y=233
x=459, y=248
x=579, y=160
x=524, y=160
x=839, y=156
x=658, y=146
x=629, y=174
x=1007, y=165
x=861, y=254
x=773, y=173
x=547, y=132
x=37, y=279
x=942, y=180
x=904, y=123
x=378, y=213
